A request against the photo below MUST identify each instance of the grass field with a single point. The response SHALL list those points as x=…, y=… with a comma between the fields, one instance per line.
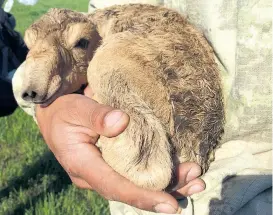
x=31, y=180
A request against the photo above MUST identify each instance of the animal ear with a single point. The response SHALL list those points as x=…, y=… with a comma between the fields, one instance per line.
x=30, y=37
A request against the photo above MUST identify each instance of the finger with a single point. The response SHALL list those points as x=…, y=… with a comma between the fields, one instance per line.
x=102, y=119
x=80, y=183
x=185, y=172
x=82, y=111
x=195, y=186
x=102, y=178
x=88, y=92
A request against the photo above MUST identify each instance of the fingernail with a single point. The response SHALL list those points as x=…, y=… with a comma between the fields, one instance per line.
x=112, y=118
x=164, y=208
x=195, y=189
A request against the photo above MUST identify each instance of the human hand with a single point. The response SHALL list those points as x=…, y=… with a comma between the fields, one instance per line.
x=71, y=127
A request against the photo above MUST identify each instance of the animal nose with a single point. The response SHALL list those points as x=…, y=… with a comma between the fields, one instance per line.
x=29, y=95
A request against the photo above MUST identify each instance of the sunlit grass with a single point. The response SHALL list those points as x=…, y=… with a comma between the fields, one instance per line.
x=31, y=180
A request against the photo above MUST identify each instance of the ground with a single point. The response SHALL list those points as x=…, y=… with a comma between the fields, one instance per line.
x=31, y=180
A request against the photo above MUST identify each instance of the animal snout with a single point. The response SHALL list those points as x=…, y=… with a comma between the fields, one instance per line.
x=31, y=95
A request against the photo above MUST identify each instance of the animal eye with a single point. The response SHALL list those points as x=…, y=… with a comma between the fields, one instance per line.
x=82, y=43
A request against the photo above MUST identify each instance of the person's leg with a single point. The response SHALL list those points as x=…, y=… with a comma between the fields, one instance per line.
x=8, y=103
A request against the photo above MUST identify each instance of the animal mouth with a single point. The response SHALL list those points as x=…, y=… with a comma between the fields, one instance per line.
x=48, y=99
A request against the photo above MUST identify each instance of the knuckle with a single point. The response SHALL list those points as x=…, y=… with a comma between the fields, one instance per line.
x=71, y=172
x=96, y=116
x=67, y=164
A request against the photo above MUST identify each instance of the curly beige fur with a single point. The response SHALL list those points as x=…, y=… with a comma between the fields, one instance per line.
x=145, y=60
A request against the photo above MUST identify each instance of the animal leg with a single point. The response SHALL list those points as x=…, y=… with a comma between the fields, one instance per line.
x=142, y=153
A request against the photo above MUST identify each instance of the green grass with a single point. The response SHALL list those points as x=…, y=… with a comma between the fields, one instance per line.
x=31, y=180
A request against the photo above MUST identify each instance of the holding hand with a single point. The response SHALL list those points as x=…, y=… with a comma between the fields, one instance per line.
x=71, y=127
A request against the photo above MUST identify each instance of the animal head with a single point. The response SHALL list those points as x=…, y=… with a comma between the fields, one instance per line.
x=61, y=44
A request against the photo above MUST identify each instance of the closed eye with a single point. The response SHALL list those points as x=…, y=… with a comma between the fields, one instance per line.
x=82, y=44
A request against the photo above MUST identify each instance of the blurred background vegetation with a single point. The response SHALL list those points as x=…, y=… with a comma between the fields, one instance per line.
x=31, y=180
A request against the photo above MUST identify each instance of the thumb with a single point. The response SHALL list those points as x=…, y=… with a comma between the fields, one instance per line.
x=102, y=119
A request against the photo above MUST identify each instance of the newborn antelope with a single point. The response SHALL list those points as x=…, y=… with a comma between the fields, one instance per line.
x=146, y=60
